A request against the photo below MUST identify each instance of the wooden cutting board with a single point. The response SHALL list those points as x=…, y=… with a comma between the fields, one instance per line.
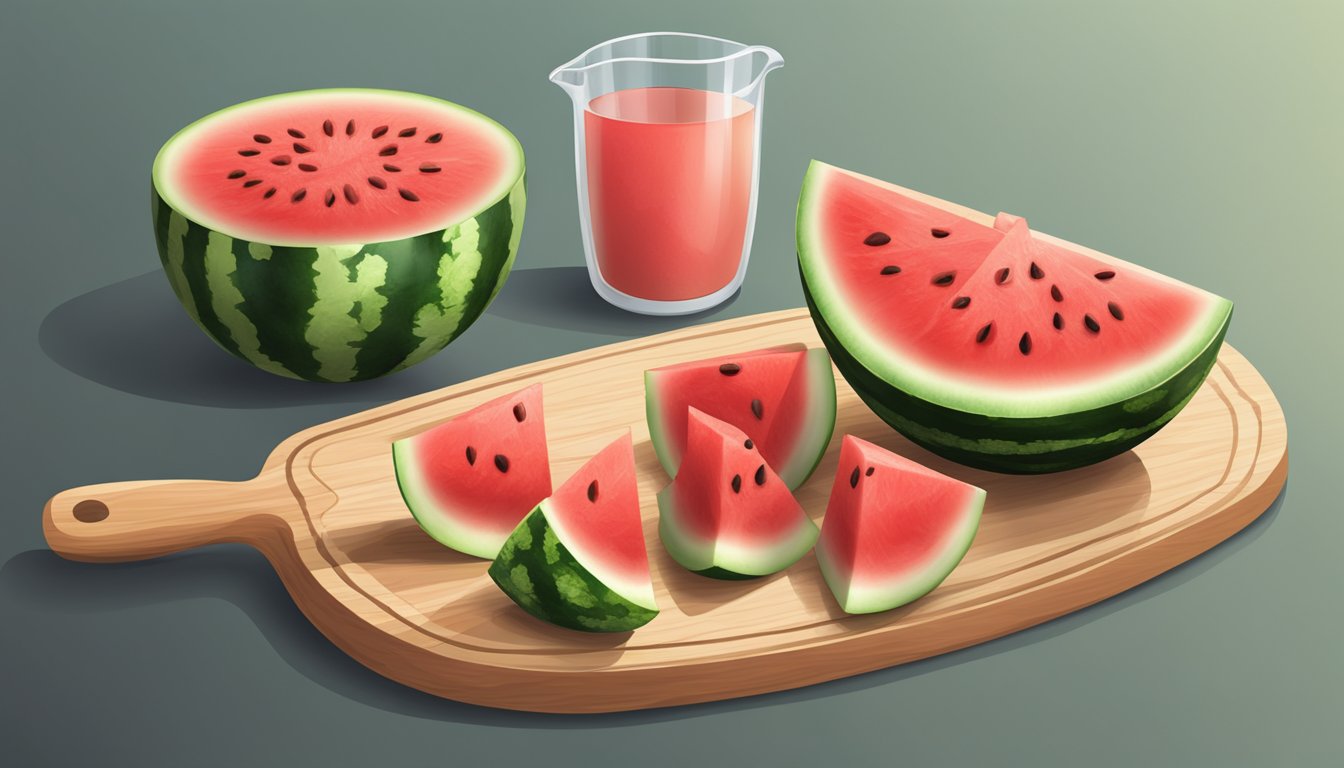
x=326, y=512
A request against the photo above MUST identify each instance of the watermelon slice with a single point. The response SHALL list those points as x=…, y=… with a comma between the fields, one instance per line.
x=338, y=234
x=782, y=397
x=578, y=560
x=727, y=514
x=993, y=345
x=470, y=480
x=893, y=529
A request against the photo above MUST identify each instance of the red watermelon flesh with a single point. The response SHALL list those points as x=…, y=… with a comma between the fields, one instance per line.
x=783, y=398
x=470, y=480
x=727, y=513
x=894, y=529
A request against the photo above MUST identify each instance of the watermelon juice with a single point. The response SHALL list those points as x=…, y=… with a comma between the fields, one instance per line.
x=669, y=174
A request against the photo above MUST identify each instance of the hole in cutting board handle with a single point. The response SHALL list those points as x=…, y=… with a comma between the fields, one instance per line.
x=91, y=511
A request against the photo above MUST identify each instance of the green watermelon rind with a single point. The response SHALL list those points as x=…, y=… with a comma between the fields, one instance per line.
x=344, y=312
x=441, y=524
x=898, y=592
x=545, y=578
x=709, y=558
x=902, y=374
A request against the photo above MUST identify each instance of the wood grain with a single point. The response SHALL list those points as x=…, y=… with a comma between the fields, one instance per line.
x=326, y=512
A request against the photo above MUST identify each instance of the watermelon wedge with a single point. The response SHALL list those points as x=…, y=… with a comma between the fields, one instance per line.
x=996, y=346
x=782, y=397
x=470, y=480
x=727, y=514
x=578, y=560
x=338, y=234
x=893, y=530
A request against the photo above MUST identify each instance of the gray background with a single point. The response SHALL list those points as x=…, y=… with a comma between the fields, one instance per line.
x=1202, y=139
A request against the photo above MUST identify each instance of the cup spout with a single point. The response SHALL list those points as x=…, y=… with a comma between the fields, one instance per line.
x=568, y=78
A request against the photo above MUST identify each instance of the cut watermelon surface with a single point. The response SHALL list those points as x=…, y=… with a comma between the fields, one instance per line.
x=579, y=560
x=894, y=529
x=727, y=514
x=994, y=345
x=470, y=480
x=783, y=398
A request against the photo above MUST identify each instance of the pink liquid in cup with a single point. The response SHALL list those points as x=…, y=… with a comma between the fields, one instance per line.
x=669, y=189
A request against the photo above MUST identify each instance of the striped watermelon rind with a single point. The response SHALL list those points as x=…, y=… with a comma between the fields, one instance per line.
x=340, y=312
x=539, y=573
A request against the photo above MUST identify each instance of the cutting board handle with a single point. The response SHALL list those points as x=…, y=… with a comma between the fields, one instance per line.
x=116, y=522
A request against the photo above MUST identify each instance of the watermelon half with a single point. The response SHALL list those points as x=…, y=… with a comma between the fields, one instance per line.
x=578, y=559
x=340, y=234
x=470, y=480
x=995, y=346
x=782, y=397
x=727, y=514
x=894, y=529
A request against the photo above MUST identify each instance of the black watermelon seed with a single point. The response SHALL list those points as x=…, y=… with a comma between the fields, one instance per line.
x=730, y=369
x=891, y=269
x=328, y=128
x=877, y=238
x=1104, y=275
x=1116, y=311
x=296, y=133
x=350, y=128
x=748, y=444
x=760, y=475
x=1001, y=276
x=961, y=302
x=592, y=491
x=302, y=148
x=330, y=199
x=307, y=167
x=299, y=195
x=757, y=409
x=251, y=182
x=378, y=132
x=1058, y=321
x=280, y=160
x=1092, y=325
x=237, y=174
x=1055, y=293
x=391, y=168
x=269, y=193
x=1024, y=344
x=434, y=138
x=429, y=168
x=377, y=183
x=944, y=278
x=1036, y=272
x=983, y=333
x=406, y=133
x=261, y=138
x=501, y=462
x=388, y=151
x=519, y=412
x=737, y=483
x=471, y=455
x=407, y=194
x=939, y=233
x=351, y=196
x=854, y=478
x=869, y=473
x=249, y=152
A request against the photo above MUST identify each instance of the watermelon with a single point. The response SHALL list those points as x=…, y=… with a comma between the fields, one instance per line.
x=578, y=559
x=782, y=397
x=341, y=234
x=995, y=346
x=893, y=530
x=470, y=480
x=727, y=514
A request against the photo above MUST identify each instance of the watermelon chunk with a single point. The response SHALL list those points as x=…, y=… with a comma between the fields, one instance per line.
x=996, y=346
x=782, y=397
x=470, y=480
x=727, y=514
x=894, y=529
x=578, y=560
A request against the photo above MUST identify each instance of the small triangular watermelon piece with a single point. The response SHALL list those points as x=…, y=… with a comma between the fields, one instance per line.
x=894, y=529
x=578, y=560
x=782, y=397
x=727, y=514
x=470, y=480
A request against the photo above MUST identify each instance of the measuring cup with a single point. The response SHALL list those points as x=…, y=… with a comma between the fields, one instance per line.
x=667, y=129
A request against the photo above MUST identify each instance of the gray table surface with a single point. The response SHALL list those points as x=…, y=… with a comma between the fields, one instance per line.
x=1201, y=139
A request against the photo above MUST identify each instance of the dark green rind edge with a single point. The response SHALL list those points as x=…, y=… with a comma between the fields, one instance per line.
x=278, y=292
x=715, y=572
x=541, y=594
x=1022, y=445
